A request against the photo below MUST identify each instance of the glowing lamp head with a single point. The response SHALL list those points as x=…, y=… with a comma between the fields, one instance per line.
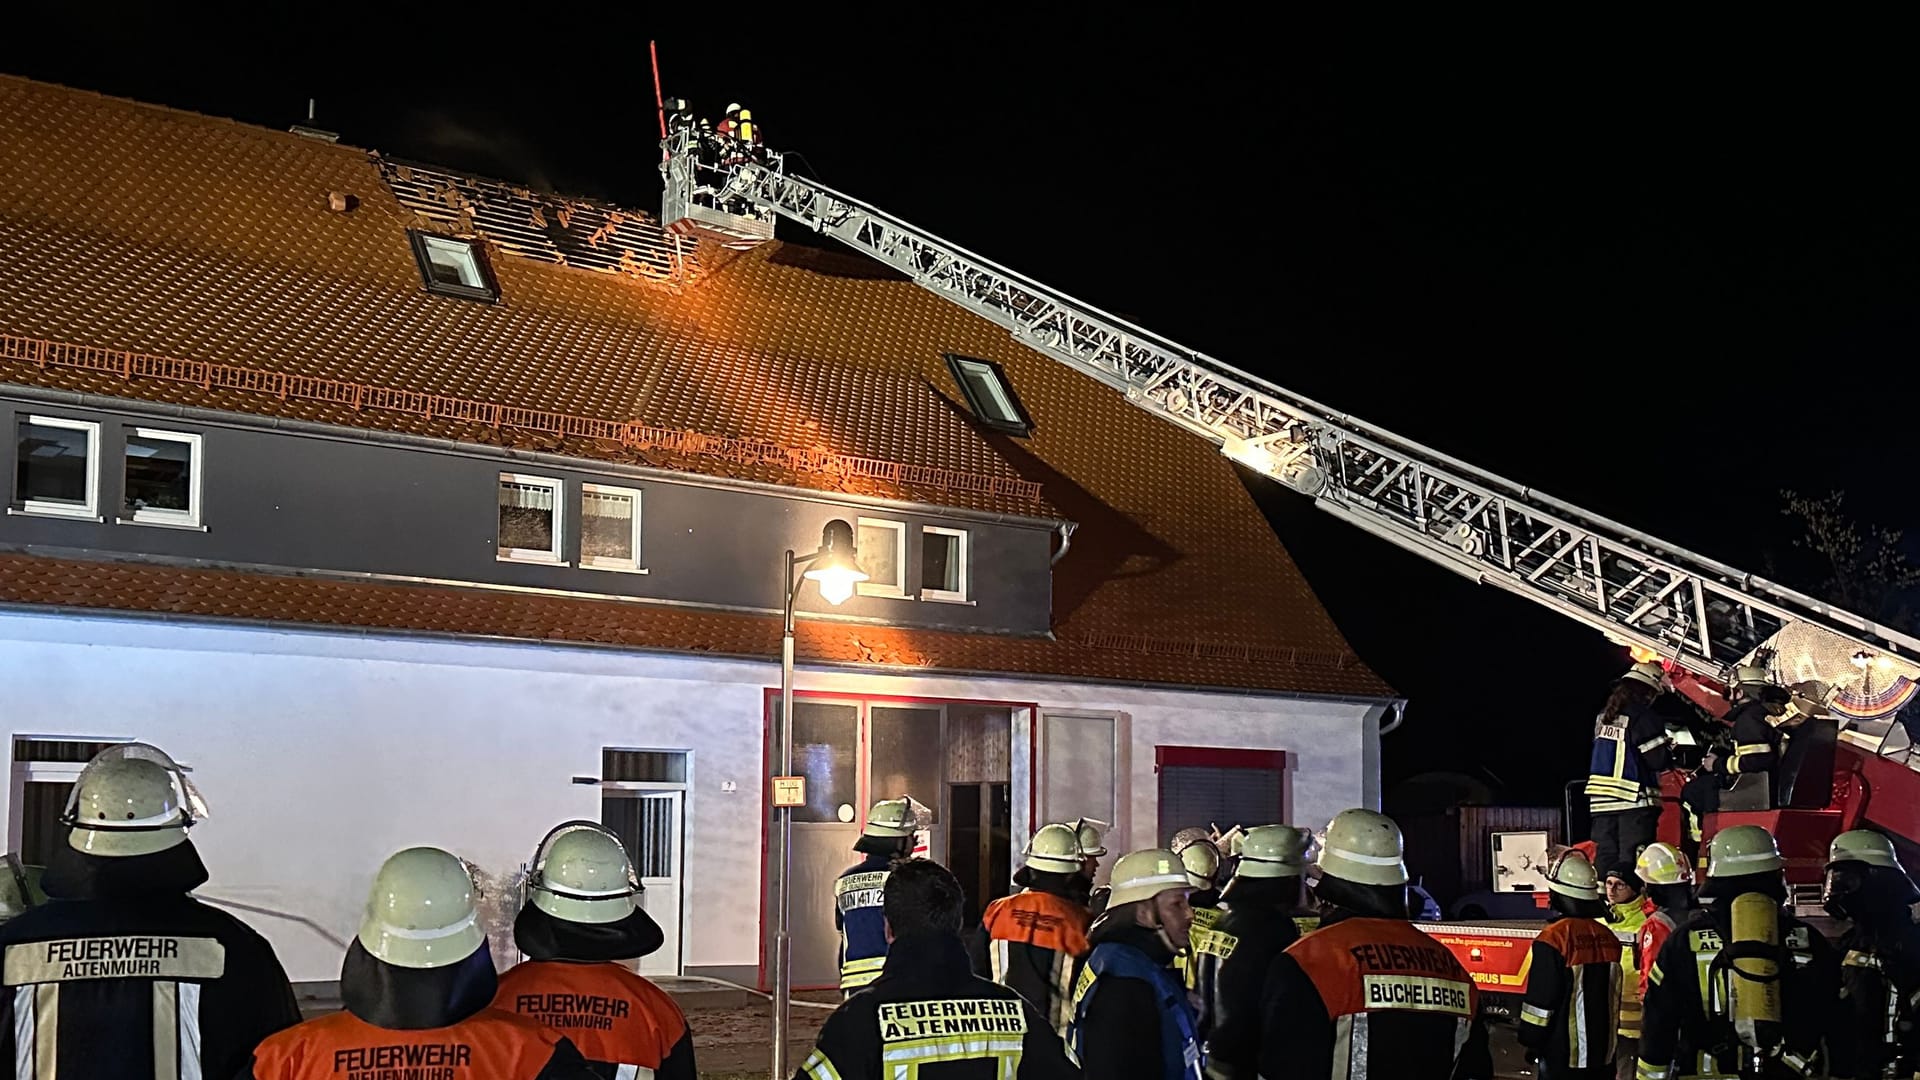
x=1641, y=654
x=834, y=568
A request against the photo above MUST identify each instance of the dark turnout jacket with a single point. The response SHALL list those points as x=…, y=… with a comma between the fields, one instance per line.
x=123, y=975
x=1571, y=1012
x=1236, y=960
x=928, y=1008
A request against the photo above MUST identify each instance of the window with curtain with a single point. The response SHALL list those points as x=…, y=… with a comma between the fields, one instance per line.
x=609, y=527
x=529, y=518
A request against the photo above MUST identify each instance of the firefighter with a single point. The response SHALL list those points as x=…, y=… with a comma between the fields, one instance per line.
x=1759, y=709
x=1710, y=1010
x=1880, y=965
x=1571, y=1012
x=1367, y=995
x=582, y=915
x=1094, y=846
x=1669, y=879
x=418, y=984
x=1201, y=859
x=1630, y=748
x=1264, y=902
x=19, y=888
x=1627, y=912
x=125, y=973
x=1131, y=1016
x=927, y=1008
x=886, y=841
x=1032, y=940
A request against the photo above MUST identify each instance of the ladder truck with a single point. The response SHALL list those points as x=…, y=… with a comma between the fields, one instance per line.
x=1698, y=616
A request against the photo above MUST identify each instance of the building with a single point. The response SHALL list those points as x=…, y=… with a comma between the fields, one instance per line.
x=408, y=507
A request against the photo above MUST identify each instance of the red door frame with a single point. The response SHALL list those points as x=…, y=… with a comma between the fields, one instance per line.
x=771, y=701
x=1222, y=757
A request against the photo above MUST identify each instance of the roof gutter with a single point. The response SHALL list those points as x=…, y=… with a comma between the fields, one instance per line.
x=250, y=421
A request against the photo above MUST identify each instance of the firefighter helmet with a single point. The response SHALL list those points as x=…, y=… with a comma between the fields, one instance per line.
x=1092, y=837
x=1143, y=875
x=1363, y=847
x=1273, y=851
x=1751, y=675
x=1647, y=673
x=1055, y=849
x=1664, y=864
x=421, y=911
x=131, y=799
x=1743, y=849
x=1864, y=846
x=891, y=817
x=732, y=107
x=581, y=874
x=16, y=889
x=1571, y=875
x=1202, y=862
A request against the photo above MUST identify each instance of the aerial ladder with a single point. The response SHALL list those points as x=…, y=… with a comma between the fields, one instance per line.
x=1654, y=597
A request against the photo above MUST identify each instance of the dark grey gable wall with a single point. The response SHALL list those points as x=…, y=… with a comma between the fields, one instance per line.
x=304, y=501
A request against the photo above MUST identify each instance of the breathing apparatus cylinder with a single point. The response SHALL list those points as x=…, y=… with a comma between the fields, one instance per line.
x=1753, y=978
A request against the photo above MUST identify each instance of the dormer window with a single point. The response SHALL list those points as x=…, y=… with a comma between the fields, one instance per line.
x=453, y=267
x=989, y=394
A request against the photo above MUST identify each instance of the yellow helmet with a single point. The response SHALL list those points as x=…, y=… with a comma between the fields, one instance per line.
x=1864, y=846
x=1056, y=849
x=1741, y=850
x=1650, y=674
x=1143, y=875
x=1202, y=862
x=1664, y=864
x=1365, y=848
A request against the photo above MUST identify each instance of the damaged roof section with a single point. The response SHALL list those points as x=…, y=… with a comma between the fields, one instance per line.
x=550, y=228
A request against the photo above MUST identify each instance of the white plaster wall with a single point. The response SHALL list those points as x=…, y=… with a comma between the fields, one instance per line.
x=321, y=753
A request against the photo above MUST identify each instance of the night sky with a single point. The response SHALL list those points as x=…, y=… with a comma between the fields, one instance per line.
x=1659, y=271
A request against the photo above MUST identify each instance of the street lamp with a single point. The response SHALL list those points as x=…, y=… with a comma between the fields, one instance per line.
x=835, y=569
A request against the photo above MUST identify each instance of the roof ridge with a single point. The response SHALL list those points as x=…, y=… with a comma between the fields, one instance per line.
x=244, y=126
x=741, y=450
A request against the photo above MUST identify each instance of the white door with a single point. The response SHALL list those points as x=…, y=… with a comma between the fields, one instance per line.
x=648, y=822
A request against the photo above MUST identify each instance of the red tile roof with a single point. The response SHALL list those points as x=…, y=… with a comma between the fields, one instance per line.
x=134, y=228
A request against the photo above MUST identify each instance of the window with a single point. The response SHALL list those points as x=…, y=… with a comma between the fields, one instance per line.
x=882, y=547
x=826, y=739
x=1214, y=786
x=162, y=478
x=902, y=754
x=609, y=528
x=989, y=394
x=454, y=267
x=529, y=518
x=943, y=564
x=56, y=471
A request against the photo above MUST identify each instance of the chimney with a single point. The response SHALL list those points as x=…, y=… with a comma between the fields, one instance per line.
x=309, y=131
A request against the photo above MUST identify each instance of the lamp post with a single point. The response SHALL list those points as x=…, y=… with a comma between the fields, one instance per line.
x=834, y=567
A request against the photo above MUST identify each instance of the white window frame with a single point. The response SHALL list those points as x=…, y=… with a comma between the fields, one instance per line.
x=947, y=596
x=597, y=562
x=897, y=590
x=188, y=518
x=555, y=557
x=33, y=506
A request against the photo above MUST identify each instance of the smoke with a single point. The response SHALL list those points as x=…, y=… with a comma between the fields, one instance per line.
x=439, y=137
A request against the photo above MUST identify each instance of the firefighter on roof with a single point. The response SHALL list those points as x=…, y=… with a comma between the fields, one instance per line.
x=1630, y=748
x=1367, y=996
x=1264, y=903
x=886, y=841
x=927, y=1014
x=582, y=915
x=1880, y=952
x=1132, y=1017
x=1744, y=989
x=126, y=974
x=418, y=984
x=1032, y=940
x=1572, y=1007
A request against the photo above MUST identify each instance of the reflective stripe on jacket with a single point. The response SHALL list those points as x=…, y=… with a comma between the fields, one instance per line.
x=1571, y=1012
x=1034, y=941
x=863, y=926
x=612, y=1015
x=1390, y=1002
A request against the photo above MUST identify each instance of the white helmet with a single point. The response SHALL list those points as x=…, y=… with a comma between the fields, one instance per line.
x=421, y=912
x=1273, y=851
x=1056, y=849
x=891, y=817
x=1572, y=875
x=1365, y=848
x=733, y=106
x=131, y=799
x=581, y=874
x=1663, y=864
x=1751, y=675
x=1143, y=875
x=1199, y=856
x=1092, y=837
